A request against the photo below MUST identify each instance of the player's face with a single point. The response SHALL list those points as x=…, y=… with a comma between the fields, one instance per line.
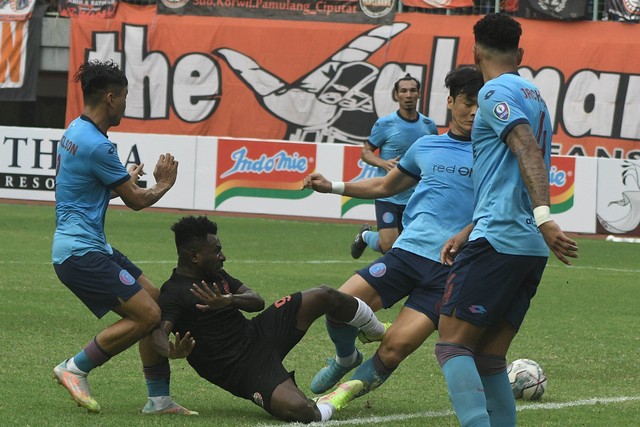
x=407, y=95
x=210, y=257
x=463, y=111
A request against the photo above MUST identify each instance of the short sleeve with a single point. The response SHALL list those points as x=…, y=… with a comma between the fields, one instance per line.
x=106, y=165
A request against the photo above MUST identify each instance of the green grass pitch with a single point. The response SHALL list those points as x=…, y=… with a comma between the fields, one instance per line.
x=582, y=328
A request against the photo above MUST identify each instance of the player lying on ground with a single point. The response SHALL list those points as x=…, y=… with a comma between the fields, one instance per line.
x=245, y=356
x=440, y=206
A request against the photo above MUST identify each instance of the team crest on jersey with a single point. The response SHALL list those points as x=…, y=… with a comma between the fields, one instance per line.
x=501, y=111
x=126, y=278
x=257, y=398
x=378, y=269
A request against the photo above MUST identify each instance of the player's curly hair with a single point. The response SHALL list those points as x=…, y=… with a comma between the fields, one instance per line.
x=96, y=78
x=498, y=31
x=191, y=232
x=464, y=80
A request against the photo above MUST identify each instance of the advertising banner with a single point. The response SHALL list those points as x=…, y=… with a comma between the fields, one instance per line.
x=354, y=169
x=618, y=200
x=327, y=82
x=20, y=57
x=354, y=11
x=262, y=172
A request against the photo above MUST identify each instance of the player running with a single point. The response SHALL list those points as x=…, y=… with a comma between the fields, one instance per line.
x=391, y=136
x=441, y=206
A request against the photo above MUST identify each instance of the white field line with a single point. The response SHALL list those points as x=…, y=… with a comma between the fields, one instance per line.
x=327, y=261
x=438, y=414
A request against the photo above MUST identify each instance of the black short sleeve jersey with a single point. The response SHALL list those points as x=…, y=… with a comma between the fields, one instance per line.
x=222, y=336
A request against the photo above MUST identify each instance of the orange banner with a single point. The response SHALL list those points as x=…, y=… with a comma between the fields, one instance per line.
x=329, y=82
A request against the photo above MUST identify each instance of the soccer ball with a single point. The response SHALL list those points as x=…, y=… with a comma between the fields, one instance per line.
x=528, y=380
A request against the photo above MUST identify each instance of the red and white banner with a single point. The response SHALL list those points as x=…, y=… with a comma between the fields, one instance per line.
x=438, y=4
x=328, y=82
x=20, y=57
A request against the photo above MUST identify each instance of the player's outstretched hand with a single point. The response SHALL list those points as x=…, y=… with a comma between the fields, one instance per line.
x=317, y=182
x=182, y=347
x=210, y=296
x=561, y=246
x=166, y=170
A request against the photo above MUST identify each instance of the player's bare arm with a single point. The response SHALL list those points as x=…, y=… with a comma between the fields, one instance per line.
x=136, y=198
x=369, y=156
x=374, y=188
x=165, y=347
x=135, y=172
x=244, y=299
x=452, y=246
x=535, y=176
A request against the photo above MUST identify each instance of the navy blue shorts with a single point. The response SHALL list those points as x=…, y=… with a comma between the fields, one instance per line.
x=485, y=286
x=100, y=280
x=400, y=273
x=389, y=215
x=275, y=335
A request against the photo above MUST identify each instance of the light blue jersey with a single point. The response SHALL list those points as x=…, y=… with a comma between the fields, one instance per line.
x=88, y=168
x=503, y=213
x=393, y=135
x=442, y=203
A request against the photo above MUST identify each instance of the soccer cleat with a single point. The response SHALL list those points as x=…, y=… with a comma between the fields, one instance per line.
x=172, y=408
x=359, y=245
x=342, y=395
x=365, y=339
x=77, y=385
x=329, y=376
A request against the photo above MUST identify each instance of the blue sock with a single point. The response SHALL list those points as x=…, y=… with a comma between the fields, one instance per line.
x=158, y=379
x=500, y=402
x=373, y=373
x=372, y=239
x=83, y=362
x=466, y=392
x=343, y=337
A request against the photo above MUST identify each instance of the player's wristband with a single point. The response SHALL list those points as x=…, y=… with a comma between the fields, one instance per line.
x=337, y=187
x=542, y=214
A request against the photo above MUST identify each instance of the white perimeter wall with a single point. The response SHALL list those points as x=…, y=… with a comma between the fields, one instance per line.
x=589, y=195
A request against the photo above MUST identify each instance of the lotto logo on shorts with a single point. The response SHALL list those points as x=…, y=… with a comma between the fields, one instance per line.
x=378, y=269
x=126, y=278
